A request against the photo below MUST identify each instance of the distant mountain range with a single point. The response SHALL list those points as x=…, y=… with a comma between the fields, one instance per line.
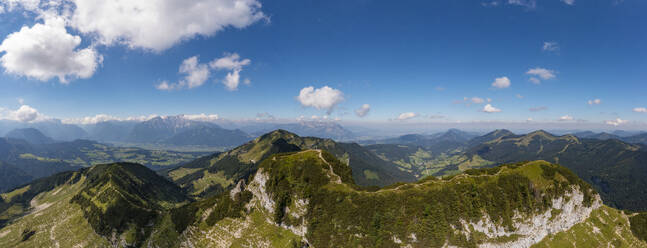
x=182, y=131
x=438, y=142
x=54, y=129
x=31, y=135
x=320, y=129
x=633, y=137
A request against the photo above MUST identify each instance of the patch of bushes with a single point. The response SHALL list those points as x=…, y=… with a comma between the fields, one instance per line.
x=639, y=225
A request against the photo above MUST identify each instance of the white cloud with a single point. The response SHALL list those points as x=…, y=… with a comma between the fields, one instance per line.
x=550, y=46
x=322, y=98
x=535, y=80
x=104, y=117
x=232, y=80
x=363, y=110
x=477, y=100
x=265, y=116
x=594, y=102
x=234, y=64
x=566, y=118
x=501, y=82
x=195, y=75
x=530, y=4
x=616, y=122
x=201, y=117
x=23, y=114
x=543, y=73
x=519, y=96
x=406, y=116
x=569, y=2
x=229, y=62
x=46, y=50
x=1, y=9
x=488, y=108
x=160, y=24
x=30, y=5
x=640, y=110
x=90, y=119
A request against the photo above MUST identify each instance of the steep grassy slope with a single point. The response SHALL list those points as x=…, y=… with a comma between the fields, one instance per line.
x=114, y=204
x=124, y=199
x=213, y=174
x=606, y=227
x=52, y=221
x=617, y=170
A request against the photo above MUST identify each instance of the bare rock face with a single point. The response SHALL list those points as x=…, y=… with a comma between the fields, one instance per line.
x=567, y=211
x=257, y=187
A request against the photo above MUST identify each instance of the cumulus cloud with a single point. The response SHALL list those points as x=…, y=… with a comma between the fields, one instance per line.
x=195, y=75
x=23, y=114
x=566, y=118
x=488, y=108
x=406, y=116
x=640, y=110
x=537, y=109
x=594, y=102
x=550, y=46
x=46, y=50
x=519, y=96
x=616, y=122
x=535, y=80
x=542, y=73
x=501, y=82
x=323, y=98
x=234, y=64
x=229, y=62
x=160, y=24
x=363, y=110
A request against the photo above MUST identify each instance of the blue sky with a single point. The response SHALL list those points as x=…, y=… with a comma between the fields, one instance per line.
x=420, y=57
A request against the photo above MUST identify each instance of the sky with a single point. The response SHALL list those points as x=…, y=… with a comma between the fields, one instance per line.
x=558, y=62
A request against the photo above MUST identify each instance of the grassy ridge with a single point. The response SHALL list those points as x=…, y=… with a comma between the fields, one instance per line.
x=346, y=216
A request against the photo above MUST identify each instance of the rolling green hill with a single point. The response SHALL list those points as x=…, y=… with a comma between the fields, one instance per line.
x=217, y=172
